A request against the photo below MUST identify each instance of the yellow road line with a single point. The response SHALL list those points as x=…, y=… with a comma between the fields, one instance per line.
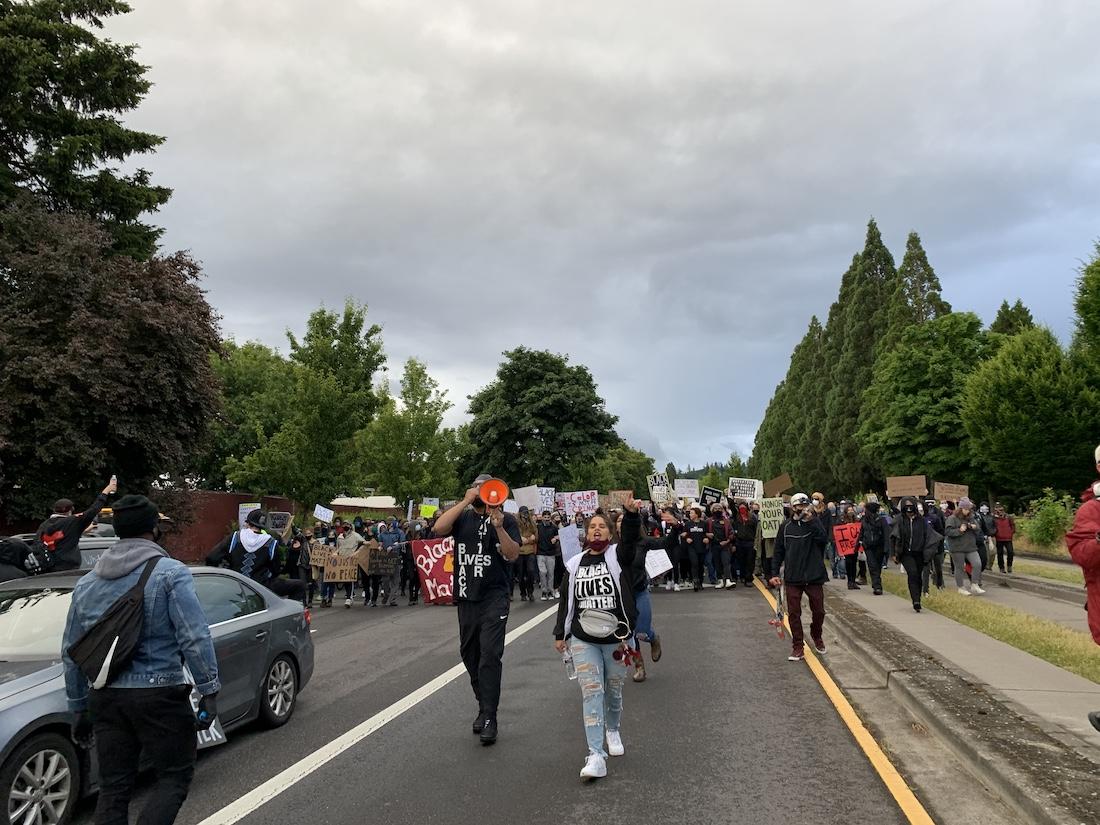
x=910, y=806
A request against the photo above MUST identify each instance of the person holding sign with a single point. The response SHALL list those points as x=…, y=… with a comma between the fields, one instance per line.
x=485, y=539
x=596, y=620
x=800, y=567
x=255, y=554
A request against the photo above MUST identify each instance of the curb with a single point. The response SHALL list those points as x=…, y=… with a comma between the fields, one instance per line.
x=1068, y=593
x=1035, y=801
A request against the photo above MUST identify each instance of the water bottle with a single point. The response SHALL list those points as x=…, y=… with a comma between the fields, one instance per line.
x=570, y=668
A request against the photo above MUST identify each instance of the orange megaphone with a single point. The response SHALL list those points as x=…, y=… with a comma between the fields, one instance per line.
x=493, y=492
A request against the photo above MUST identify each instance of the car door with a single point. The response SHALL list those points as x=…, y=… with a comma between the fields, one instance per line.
x=240, y=635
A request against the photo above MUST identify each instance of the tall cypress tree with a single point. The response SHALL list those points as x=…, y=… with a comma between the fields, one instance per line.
x=864, y=321
x=1013, y=319
x=916, y=296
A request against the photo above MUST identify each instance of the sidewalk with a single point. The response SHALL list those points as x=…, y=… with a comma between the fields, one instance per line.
x=1059, y=700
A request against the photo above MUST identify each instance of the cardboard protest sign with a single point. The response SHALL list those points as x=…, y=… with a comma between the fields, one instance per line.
x=709, y=496
x=528, y=497
x=547, y=498
x=318, y=554
x=377, y=561
x=660, y=490
x=323, y=514
x=771, y=517
x=687, y=488
x=778, y=485
x=435, y=564
x=584, y=501
x=279, y=524
x=619, y=497
x=657, y=562
x=899, y=486
x=341, y=569
x=845, y=537
x=569, y=540
x=244, y=509
x=749, y=489
x=950, y=492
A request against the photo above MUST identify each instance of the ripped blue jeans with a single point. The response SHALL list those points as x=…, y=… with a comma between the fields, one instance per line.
x=601, y=679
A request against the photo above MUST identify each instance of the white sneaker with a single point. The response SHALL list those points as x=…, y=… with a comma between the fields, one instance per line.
x=557, y=594
x=347, y=602
x=595, y=767
x=615, y=743
x=977, y=590
x=963, y=591
x=676, y=587
x=668, y=586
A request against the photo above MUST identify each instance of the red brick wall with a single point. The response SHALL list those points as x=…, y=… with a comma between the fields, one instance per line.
x=214, y=513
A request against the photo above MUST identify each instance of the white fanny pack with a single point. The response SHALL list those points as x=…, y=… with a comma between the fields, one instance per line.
x=600, y=624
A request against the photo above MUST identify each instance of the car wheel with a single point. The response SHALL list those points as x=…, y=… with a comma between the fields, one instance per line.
x=279, y=693
x=42, y=781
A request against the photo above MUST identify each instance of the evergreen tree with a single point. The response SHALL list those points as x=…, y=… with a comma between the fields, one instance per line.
x=1012, y=319
x=670, y=471
x=1086, y=338
x=863, y=316
x=910, y=422
x=62, y=89
x=916, y=296
x=1031, y=415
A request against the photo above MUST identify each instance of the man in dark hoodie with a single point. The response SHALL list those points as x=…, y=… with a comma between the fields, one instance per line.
x=144, y=715
x=800, y=555
x=57, y=541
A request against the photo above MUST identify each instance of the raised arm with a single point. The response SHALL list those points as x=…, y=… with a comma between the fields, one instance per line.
x=446, y=522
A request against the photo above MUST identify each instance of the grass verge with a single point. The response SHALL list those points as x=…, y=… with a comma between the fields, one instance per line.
x=1062, y=647
x=1069, y=575
x=1058, y=551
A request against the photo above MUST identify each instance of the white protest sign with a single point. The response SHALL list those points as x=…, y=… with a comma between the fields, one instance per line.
x=750, y=489
x=771, y=517
x=547, y=498
x=584, y=501
x=323, y=514
x=431, y=502
x=511, y=506
x=215, y=734
x=244, y=509
x=657, y=562
x=569, y=540
x=687, y=488
x=659, y=487
x=529, y=497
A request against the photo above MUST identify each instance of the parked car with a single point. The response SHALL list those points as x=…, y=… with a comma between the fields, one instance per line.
x=265, y=658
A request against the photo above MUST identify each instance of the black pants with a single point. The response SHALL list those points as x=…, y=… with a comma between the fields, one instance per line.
x=676, y=555
x=746, y=560
x=875, y=557
x=698, y=563
x=528, y=574
x=914, y=571
x=414, y=584
x=933, y=571
x=559, y=572
x=305, y=576
x=723, y=563
x=983, y=553
x=156, y=723
x=1004, y=548
x=481, y=628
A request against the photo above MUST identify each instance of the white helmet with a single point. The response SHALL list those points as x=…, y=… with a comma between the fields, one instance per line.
x=800, y=498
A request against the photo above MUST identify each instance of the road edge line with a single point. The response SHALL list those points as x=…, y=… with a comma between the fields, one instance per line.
x=903, y=795
x=288, y=777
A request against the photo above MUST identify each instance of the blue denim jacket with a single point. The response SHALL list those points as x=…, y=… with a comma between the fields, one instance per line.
x=175, y=630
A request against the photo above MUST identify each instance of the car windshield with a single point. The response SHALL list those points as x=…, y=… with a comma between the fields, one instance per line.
x=32, y=622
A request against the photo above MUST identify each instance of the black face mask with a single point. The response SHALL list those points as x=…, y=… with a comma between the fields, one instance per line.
x=909, y=510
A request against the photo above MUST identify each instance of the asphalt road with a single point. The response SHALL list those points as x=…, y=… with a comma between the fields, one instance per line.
x=724, y=731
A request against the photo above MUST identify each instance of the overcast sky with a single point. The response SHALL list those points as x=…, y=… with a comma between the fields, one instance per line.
x=665, y=192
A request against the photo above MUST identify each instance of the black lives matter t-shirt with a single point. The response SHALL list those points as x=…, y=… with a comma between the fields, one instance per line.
x=595, y=588
x=698, y=531
x=479, y=568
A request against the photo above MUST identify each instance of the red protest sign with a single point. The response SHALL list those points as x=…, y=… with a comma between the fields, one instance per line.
x=845, y=537
x=435, y=564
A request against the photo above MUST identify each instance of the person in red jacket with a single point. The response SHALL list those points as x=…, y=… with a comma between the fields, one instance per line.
x=1083, y=543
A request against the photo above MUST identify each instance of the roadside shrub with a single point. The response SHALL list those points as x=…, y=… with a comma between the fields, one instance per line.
x=1049, y=517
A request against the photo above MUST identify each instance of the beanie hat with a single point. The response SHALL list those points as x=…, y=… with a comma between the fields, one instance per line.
x=255, y=518
x=965, y=504
x=134, y=516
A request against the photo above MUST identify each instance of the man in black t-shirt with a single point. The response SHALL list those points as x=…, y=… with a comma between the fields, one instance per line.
x=485, y=539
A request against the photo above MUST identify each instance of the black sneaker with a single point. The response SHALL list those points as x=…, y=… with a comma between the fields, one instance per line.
x=479, y=724
x=1094, y=717
x=877, y=591
x=489, y=732
x=916, y=606
x=853, y=586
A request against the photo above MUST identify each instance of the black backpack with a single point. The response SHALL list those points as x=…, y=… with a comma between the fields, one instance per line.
x=107, y=647
x=873, y=532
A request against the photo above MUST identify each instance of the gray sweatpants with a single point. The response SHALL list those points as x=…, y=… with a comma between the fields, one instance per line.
x=959, y=560
x=546, y=572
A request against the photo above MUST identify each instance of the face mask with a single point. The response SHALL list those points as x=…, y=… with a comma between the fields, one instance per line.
x=909, y=509
x=984, y=510
x=599, y=545
x=832, y=509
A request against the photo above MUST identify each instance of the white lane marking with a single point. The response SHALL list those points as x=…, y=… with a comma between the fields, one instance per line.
x=251, y=801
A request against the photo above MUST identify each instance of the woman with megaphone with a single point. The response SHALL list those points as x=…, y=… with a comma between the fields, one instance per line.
x=485, y=539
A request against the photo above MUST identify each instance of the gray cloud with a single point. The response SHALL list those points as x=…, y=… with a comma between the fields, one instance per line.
x=656, y=190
